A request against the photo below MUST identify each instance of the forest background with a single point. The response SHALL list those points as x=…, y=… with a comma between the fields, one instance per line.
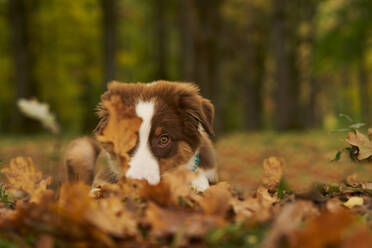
x=265, y=64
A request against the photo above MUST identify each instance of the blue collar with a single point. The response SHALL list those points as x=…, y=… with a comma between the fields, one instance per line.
x=196, y=163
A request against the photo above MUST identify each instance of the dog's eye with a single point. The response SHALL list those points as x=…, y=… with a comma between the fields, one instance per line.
x=164, y=140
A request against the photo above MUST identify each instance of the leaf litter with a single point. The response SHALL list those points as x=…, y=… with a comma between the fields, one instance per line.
x=133, y=213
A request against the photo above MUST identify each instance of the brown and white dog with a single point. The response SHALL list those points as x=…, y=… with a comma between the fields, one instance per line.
x=176, y=123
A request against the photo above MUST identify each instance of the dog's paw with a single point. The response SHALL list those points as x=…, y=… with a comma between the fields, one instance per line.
x=152, y=177
x=200, y=184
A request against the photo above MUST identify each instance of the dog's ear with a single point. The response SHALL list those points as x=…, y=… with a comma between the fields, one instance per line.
x=198, y=111
x=207, y=116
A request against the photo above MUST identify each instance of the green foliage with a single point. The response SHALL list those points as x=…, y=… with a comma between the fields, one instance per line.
x=66, y=44
x=352, y=126
x=7, y=244
x=237, y=235
x=283, y=189
x=4, y=197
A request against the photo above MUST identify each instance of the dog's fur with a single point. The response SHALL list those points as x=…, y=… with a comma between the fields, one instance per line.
x=176, y=125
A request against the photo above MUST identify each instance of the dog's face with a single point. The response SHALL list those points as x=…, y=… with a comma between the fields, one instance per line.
x=173, y=116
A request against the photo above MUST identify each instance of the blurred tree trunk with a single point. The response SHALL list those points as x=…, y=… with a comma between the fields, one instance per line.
x=363, y=91
x=254, y=37
x=162, y=41
x=109, y=21
x=253, y=85
x=284, y=52
x=313, y=118
x=344, y=106
x=186, y=40
x=25, y=84
x=309, y=10
x=205, y=20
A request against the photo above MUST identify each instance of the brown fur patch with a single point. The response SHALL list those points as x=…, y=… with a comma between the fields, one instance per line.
x=182, y=156
x=207, y=155
x=80, y=159
x=158, y=131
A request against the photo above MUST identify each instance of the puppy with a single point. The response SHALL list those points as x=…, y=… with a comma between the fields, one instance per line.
x=174, y=131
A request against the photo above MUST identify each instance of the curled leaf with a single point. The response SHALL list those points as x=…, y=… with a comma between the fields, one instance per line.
x=39, y=111
x=363, y=143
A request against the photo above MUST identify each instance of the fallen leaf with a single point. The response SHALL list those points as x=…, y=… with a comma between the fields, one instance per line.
x=353, y=181
x=167, y=221
x=325, y=230
x=273, y=172
x=175, y=184
x=121, y=128
x=361, y=238
x=22, y=175
x=39, y=111
x=216, y=199
x=354, y=201
x=334, y=205
x=111, y=216
x=258, y=206
x=362, y=142
x=288, y=220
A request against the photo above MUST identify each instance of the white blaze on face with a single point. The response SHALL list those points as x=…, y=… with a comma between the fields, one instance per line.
x=143, y=164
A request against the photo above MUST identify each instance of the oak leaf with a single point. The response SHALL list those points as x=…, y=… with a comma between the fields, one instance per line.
x=273, y=172
x=170, y=221
x=121, y=128
x=363, y=143
x=22, y=175
x=259, y=206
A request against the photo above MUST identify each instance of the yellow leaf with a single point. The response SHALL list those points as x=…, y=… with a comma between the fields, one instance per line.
x=121, y=128
x=22, y=175
x=354, y=201
x=273, y=169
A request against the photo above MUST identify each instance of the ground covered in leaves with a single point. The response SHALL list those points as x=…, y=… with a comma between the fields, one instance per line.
x=276, y=191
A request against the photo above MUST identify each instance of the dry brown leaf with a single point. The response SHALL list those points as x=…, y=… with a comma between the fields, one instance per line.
x=362, y=238
x=273, y=169
x=353, y=181
x=74, y=201
x=166, y=221
x=258, y=206
x=244, y=209
x=125, y=188
x=362, y=142
x=108, y=215
x=288, y=220
x=45, y=241
x=111, y=217
x=121, y=129
x=367, y=186
x=175, y=184
x=22, y=175
x=216, y=199
x=333, y=205
x=324, y=230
